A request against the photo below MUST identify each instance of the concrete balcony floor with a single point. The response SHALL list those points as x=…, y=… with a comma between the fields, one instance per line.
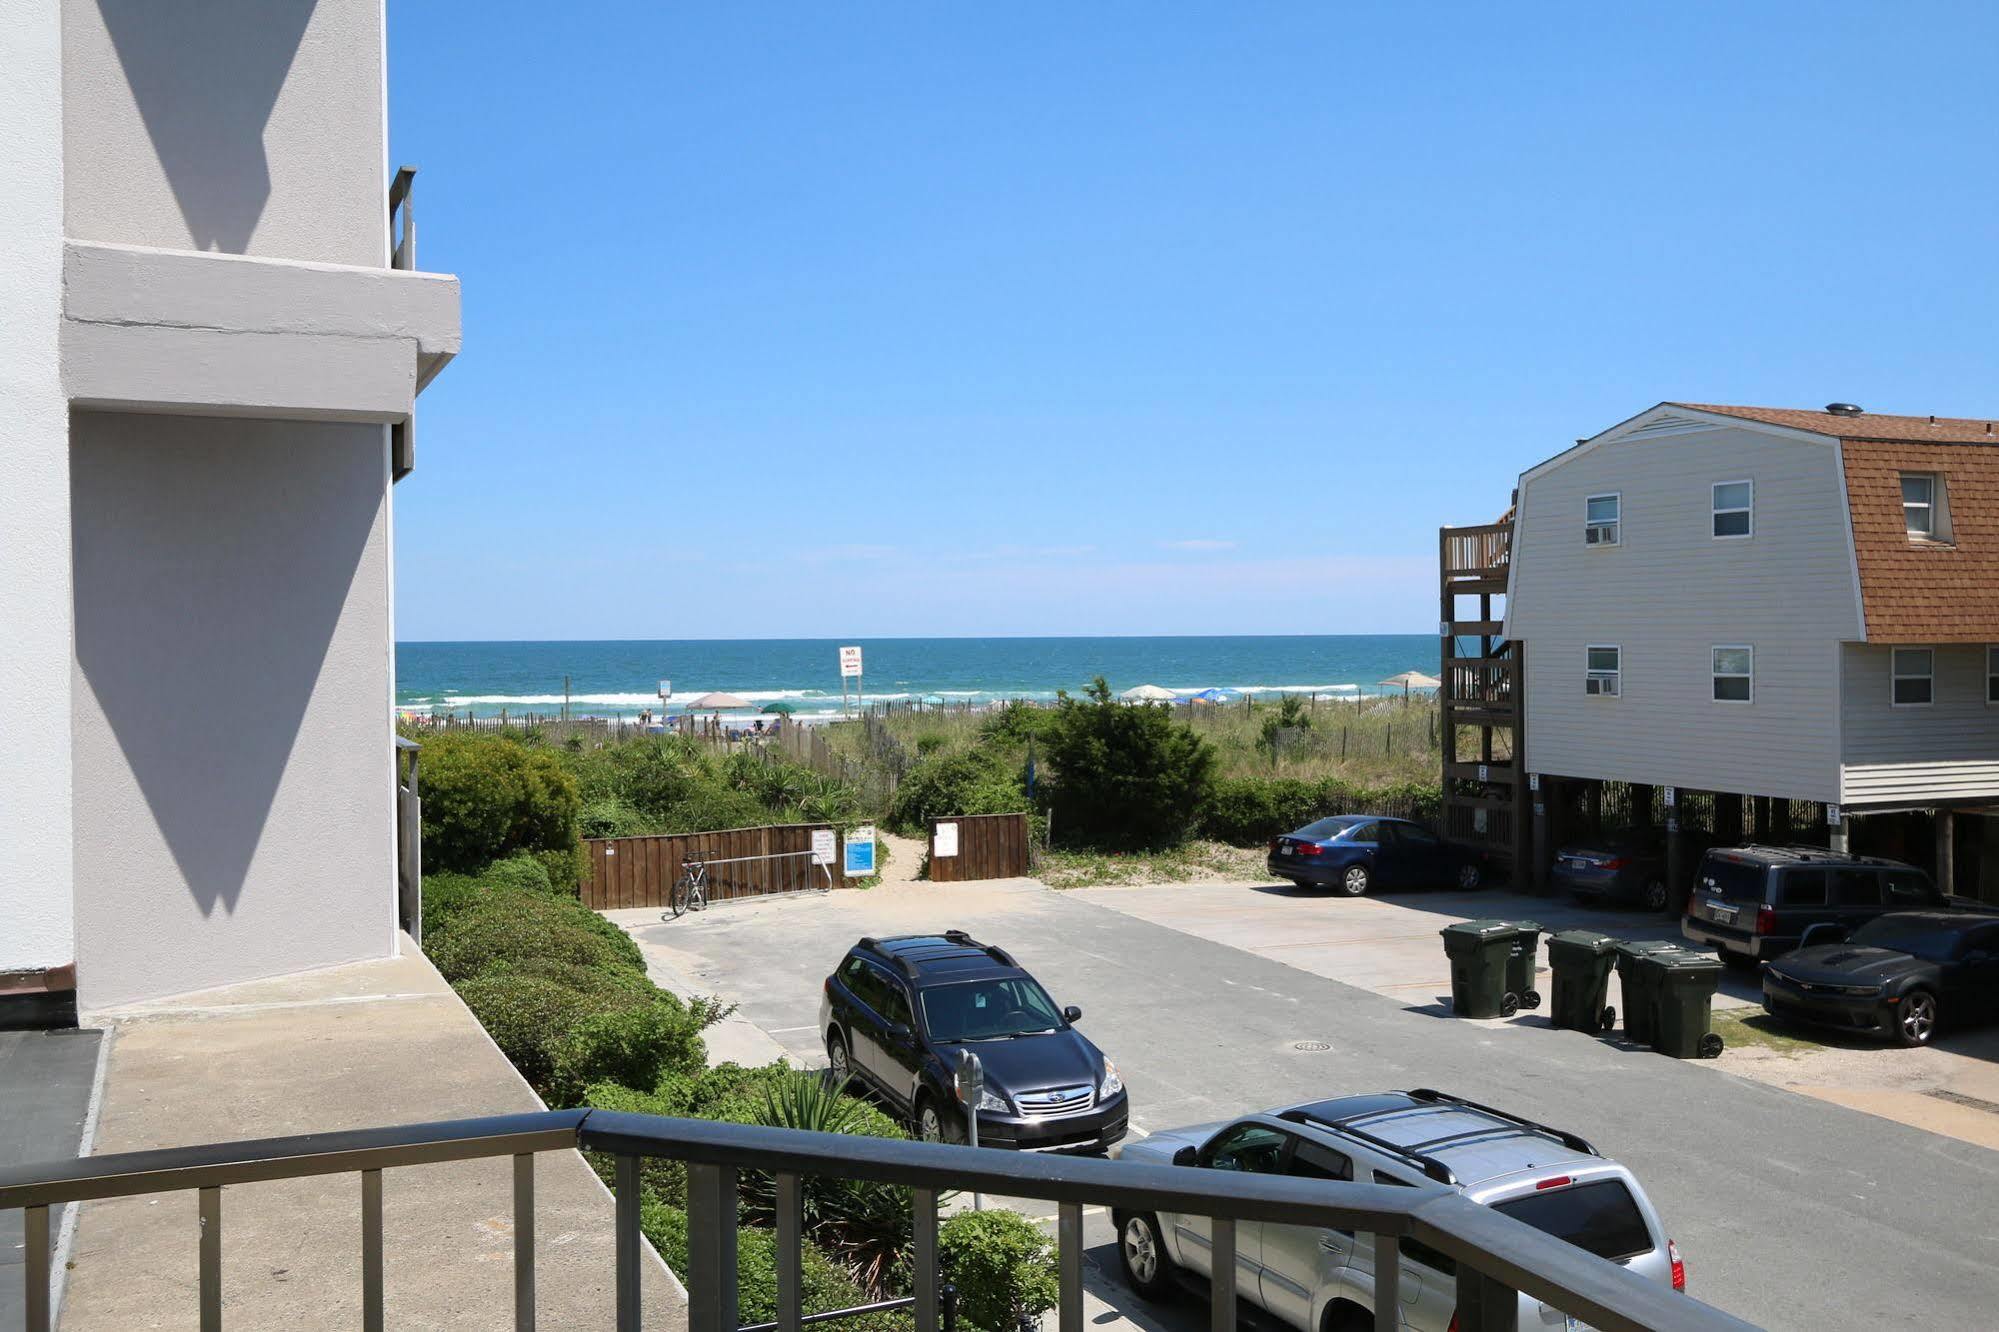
x=373, y=1043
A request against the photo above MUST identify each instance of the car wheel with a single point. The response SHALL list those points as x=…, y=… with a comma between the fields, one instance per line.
x=1469, y=876
x=839, y=1066
x=936, y=1123
x=1653, y=895
x=1354, y=881
x=1916, y=1018
x=1147, y=1269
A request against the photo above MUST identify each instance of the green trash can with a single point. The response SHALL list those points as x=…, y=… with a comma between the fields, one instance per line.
x=1520, y=965
x=1480, y=951
x=1580, y=962
x=1685, y=999
x=1637, y=974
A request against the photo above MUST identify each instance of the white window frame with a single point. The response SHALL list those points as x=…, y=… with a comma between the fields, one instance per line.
x=1933, y=506
x=1715, y=674
x=1616, y=525
x=1992, y=674
x=1616, y=676
x=1896, y=675
x=1715, y=510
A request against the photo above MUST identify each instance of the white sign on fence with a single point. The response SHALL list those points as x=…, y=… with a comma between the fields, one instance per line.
x=1832, y=816
x=850, y=661
x=665, y=690
x=946, y=841
x=860, y=847
x=823, y=846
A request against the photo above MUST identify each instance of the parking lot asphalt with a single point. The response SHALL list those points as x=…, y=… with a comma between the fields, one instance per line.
x=1792, y=1212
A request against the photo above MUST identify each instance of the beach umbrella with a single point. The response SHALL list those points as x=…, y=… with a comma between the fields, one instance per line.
x=1149, y=694
x=1412, y=680
x=1216, y=696
x=716, y=703
x=781, y=708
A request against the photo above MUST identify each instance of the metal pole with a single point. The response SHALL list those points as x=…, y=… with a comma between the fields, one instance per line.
x=923, y=1203
x=524, y=1242
x=626, y=1244
x=210, y=1204
x=1221, y=1311
x=1069, y=1255
x=790, y=1260
x=36, y=1225
x=371, y=1250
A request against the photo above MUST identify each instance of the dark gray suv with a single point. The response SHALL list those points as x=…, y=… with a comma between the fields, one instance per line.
x=1754, y=903
x=900, y=1013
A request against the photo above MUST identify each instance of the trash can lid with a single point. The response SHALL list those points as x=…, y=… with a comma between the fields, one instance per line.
x=1590, y=939
x=1646, y=947
x=1483, y=929
x=1681, y=959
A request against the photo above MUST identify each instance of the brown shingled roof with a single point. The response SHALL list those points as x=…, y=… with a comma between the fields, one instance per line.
x=1923, y=591
x=1867, y=425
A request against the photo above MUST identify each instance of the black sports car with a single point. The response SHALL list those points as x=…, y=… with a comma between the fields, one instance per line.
x=1898, y=975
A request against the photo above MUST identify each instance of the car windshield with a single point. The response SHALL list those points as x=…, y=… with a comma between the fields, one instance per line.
x=1600, y=1217
x=1322, y=829
x=1919, y=936
x=988, y=1010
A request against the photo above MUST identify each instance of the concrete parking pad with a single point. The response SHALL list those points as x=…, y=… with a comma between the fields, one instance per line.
x=1774, y=1197
x=374, y=1043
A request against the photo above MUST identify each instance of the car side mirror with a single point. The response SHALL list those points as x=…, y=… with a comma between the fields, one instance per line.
x=1187, y=1156
x=1072, y=1014
x=900, y=1034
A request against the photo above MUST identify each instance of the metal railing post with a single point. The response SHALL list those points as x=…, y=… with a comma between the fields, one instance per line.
x=524, y=1242
x=1387, y=1284
x=371, y=1251
x=210, y=1214
x=36, y=1224
x=790, y=1260
x=1069, y=1257
x=923, y=1210
x=626, y=1240
x=1221, y=1256
x=711, y=1248
x=1486, y=1304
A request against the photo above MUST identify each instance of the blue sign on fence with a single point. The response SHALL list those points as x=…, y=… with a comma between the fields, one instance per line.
x=860, y=862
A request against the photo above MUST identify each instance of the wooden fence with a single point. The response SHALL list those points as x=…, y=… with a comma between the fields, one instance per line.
x=990, y=846
x=640, y=871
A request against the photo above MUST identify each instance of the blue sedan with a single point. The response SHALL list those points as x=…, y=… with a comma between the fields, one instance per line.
x=1355, y=852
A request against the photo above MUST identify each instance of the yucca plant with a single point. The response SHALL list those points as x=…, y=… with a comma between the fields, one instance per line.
x=864, y=1226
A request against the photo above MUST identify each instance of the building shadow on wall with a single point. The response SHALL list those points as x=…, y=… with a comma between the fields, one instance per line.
x=205, y=77
x=212, y=562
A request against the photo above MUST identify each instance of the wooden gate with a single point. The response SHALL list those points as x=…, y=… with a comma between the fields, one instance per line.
x=640, y=871
x=989, y=846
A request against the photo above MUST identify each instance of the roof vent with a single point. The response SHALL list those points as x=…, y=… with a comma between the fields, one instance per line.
x=1842, y=409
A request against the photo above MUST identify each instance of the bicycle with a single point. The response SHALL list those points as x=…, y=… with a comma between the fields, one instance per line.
x=690, y=890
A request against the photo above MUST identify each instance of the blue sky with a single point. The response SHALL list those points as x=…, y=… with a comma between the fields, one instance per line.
x=790, y=320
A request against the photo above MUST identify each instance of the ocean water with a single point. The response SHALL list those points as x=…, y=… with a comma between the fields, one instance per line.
x=618, y=679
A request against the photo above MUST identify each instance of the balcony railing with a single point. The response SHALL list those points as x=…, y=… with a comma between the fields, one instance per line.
x=1477, y=552
x=403, y=243
x=1497, y=1256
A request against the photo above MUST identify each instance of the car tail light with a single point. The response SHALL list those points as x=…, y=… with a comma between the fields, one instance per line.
x=1766, y=920
x=1558, y=1182
x=1679, y=1267
x=1276, y=845
x=1311, y=849
x=1614, y=863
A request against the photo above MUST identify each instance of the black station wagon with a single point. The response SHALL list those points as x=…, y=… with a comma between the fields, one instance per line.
x=1754, y=903
x=899, y=1014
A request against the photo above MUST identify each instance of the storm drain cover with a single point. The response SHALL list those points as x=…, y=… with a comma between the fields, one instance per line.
x=1311, y=1047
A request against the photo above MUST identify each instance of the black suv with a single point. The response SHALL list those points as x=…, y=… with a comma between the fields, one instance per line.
x=1754, y=903
x=898, y=1014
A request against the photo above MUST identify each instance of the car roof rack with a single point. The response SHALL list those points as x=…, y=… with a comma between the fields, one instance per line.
x=1429, y=1165
x=993, y=951
x=1567, y=1139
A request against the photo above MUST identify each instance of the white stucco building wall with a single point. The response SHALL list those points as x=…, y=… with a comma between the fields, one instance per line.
x=35, y=917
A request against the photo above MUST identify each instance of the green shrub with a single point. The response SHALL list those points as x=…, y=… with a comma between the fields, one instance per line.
x=1244, y=811
x=632, y=1046
x=1016, y=722
x=822, y=1286
x=1003, y=1266
x=486, y=797
x=566, y=867
x=521, y=873
x=929, y=743
x=710, y=808
x=505, y=926
x=650, y=773
x=445, y=894
x=613, y=816
x=974, y=781
x=1124, y=778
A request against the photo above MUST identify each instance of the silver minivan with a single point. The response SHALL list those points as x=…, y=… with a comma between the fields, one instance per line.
x=1323, y=1280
